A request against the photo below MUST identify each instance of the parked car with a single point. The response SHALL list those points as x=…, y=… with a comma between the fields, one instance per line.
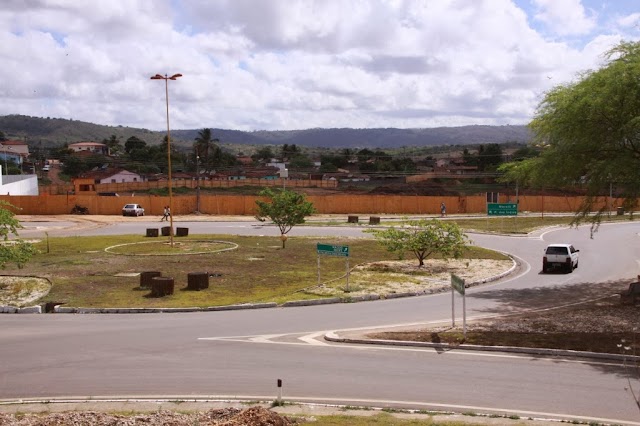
x=46, y=168
x=132, y=210
x=563, y=256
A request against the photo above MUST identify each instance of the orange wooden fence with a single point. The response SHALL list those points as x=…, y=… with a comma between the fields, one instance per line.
x=326, y=204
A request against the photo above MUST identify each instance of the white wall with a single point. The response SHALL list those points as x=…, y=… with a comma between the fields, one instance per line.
x=18, y=184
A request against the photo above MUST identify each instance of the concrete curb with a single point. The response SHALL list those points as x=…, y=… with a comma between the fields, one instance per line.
x=333, y=336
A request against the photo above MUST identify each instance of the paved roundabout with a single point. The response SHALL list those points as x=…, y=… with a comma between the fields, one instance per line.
x=241, y=354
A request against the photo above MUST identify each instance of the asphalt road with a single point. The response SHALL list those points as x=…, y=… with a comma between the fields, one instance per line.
x=241, y=354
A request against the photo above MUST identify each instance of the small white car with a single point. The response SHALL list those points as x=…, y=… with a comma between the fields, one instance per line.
x=132, y=210
x=563, y=256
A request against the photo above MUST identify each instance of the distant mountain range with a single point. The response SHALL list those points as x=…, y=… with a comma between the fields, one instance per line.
x=54, y=131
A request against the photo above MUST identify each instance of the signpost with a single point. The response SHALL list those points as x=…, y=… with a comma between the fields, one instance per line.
x=502, y=209
x=333, y=250
x=457, y=284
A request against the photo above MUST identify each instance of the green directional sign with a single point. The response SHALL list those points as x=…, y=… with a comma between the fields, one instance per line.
x=332, y=250
x=457, y=283
x=502, y=209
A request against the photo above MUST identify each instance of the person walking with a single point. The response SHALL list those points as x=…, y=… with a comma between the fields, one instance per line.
x=443, y=210
x=165, y=214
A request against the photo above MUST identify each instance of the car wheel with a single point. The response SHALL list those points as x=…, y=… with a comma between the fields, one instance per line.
x=576, y=267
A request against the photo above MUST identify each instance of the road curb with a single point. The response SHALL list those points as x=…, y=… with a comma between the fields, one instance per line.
x=333, y=336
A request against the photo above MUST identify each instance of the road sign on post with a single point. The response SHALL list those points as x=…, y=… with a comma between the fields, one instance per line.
x=502, y=209
x=457, y=284
x=332, y=250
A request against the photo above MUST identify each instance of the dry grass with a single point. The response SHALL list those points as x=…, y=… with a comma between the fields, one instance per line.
x=258, y=270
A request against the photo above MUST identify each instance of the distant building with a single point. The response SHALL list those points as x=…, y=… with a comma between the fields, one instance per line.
x=113, y=176
x=92, y=147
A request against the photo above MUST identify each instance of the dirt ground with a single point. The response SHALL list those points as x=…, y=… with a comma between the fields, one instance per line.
x=597, y=323
x=255, y=416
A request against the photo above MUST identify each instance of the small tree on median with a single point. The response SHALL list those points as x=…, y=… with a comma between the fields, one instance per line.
x=423, y=238
x=286, y=209
x=16, y=251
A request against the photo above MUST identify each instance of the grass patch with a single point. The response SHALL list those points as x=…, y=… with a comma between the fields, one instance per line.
x=258, y=270
x=506, y=225
x=381, y=419
x=159, y=248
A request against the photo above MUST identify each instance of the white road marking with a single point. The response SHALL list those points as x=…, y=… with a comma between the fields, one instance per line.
x=311, y=339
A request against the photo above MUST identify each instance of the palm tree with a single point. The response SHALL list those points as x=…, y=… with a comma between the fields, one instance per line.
x=205, y=146
x=204, y=142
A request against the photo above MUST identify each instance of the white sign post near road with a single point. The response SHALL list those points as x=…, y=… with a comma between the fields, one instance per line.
x=457, y=284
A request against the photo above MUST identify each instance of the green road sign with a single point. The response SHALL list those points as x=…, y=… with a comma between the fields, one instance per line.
x=457, y=283
x=502, y=209
x=331, y=250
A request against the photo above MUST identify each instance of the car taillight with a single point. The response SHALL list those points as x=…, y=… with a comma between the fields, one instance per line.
x=544, y=259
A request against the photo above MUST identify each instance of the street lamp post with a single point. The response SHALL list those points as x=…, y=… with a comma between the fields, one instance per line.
x=197, y=184
x=169, y=184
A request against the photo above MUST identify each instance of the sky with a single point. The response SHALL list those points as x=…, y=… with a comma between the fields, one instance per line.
x=300, y=64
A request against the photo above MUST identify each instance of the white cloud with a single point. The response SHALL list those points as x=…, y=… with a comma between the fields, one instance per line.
x=287, y=64
x=565, y=17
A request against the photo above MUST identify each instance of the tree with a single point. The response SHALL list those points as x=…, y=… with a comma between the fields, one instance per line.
x=133, y=144
x=17, y=251
x=589, y=132
x=204, y=143
x=423, y=238
x=264, y=153
x=489, y=157
x=113, y=143
x=286, y=209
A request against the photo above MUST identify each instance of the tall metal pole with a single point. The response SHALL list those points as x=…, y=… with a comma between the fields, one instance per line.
x=197, y=183
x=170, y=183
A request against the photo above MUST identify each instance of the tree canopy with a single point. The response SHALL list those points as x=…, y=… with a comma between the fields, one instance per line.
x=423, y=238
x=589, y=132
x=285, y=208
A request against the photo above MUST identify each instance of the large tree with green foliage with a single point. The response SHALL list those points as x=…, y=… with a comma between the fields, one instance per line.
x=589, y=132
x=15, y=251
x=423, y=238
x=285, y=208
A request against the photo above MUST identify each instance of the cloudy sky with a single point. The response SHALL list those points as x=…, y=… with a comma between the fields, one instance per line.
x=297, y=64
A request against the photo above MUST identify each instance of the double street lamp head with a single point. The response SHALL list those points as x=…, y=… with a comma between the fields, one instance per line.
x=165, y=77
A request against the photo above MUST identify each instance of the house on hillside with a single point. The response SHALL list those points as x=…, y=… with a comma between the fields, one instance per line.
x=14, y=150
x=113, y=176
x=92, y=147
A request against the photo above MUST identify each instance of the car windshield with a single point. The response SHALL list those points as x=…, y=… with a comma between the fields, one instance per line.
x=557, y=250
x=130, y=206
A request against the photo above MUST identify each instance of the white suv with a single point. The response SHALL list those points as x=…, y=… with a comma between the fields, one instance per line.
x=564, y=256
x=132, y=210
